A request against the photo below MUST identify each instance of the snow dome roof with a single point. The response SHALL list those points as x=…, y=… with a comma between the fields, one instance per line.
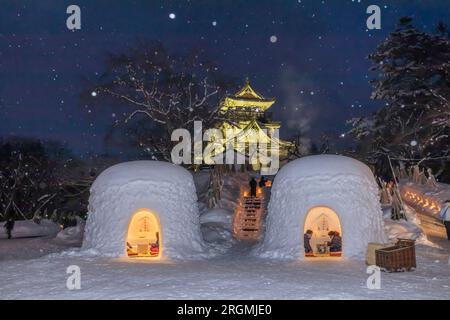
x=127, y=172
x=159, y=191
x=341, y=189
x=326, y=164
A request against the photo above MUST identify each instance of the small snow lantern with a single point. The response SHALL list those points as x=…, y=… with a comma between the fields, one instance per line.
x=329, y=201
x=144, y=209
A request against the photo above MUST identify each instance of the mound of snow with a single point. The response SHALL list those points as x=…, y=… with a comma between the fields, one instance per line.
x=216, y=223
x=164, y=189
x=342, y=184
x=72, y=234
x=128, y=172
x=217, y=234
x=326, y=165
x=216, y=226
x=405, y=229
x=28, y=228
x=402, y=229
x=220, y=216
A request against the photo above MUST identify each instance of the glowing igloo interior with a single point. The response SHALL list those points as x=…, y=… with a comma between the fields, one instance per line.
x=321, y=221
x=144, y=235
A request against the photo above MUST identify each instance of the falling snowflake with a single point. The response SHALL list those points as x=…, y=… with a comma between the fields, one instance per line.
x=273, y=39
x=172, y=15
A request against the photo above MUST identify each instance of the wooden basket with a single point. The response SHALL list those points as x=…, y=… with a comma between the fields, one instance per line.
x=405, y=242
x=401, y=257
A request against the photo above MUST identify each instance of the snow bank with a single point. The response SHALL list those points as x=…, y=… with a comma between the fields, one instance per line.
x=73, y=234
x=216, y=226
x=28, y=228
x=167, y=190
x=405, y=229
x=219, y=216
x=427, y=199
x=342, y=184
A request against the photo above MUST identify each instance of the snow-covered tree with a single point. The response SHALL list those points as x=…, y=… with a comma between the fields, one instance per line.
x=301, y=146
x=28, y=185
x=44, y=179
x=171, y=91
x=413, y=80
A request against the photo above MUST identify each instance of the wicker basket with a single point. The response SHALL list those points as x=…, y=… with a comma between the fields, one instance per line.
x=401, y=257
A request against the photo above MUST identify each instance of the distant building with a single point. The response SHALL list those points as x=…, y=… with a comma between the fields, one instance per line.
x=245, y=113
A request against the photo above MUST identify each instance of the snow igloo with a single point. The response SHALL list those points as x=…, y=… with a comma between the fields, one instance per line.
x=326, y=194
x=144, y=209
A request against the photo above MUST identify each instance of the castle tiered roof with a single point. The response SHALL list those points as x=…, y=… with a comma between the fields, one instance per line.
x=247, y=98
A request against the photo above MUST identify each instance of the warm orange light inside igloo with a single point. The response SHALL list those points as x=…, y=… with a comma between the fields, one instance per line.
x=322, y=233
x=144, y=235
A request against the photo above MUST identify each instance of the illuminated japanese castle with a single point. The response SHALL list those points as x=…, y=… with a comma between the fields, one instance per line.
x=246, y=113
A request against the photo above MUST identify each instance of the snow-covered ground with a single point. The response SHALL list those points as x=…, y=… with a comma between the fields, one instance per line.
x=28, y=229
x=233, y=276
x=36, y=268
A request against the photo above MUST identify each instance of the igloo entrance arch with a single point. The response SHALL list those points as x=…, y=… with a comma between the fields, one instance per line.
x=324, y=223
x=144, y=235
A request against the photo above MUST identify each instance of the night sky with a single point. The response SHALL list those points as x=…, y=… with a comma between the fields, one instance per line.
x=317, y=67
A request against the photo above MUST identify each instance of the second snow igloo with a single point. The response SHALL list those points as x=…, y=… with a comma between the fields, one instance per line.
x=325, y=194
x=144, y=209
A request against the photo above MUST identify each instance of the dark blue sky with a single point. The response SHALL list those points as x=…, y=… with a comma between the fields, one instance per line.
x=317, y=69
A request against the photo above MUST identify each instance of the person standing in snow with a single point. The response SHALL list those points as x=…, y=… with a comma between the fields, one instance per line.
x=445, y=217
x=307, y=242
x=253, y=185
x=211, y=197
x=262, y=182
x=335, y=243
x=9, y=226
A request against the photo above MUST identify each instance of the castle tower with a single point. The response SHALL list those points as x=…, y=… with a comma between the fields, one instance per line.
x=246, y=114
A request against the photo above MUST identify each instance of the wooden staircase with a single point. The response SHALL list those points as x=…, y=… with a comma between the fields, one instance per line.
x=248, y=218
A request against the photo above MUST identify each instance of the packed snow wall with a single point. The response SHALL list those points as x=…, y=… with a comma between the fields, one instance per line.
x=342, y=184
x=166, y=190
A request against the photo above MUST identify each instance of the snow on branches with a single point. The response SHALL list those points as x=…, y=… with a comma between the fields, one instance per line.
x=171, y=91
x=413, y=79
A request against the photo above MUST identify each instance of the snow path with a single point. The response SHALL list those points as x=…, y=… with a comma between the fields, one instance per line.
x=229, y=277
x=30, y=248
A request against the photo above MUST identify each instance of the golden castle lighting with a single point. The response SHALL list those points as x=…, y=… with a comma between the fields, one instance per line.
x=246, y=115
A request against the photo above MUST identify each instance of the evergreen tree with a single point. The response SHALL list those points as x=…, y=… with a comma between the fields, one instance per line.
x=413, y=79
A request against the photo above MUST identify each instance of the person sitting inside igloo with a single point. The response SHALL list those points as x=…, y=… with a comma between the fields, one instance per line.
x=335, y=242
x=307, y=242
